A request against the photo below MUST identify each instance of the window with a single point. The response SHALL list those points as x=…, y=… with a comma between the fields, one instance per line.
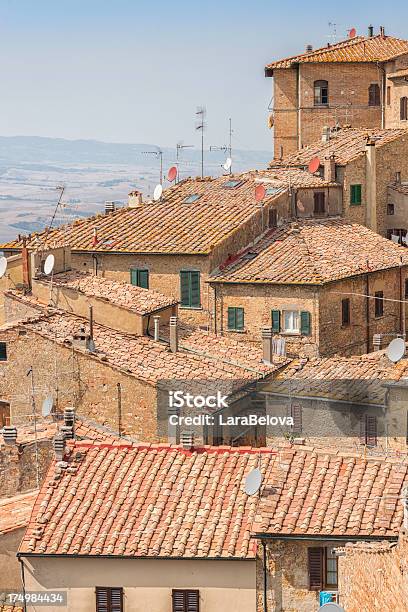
x=191, y=198
x=368, y=430
x=291, y=323
x=379, y=303
x=319, y=206
x=109, y=599
x=232, y=184
x=355, y=195
x=186, y=601
x=390, y=209
x=276, y=317
x=323, y=568
x=139, y=278
x=272, y=217
x=235, y=318
x=345, y=311
x=404, y=108
x=272, y=190
x=321, y=93
x=388, y=95
x=4, y=414
x=3, y=351
x=374, y=95
x=190, y=289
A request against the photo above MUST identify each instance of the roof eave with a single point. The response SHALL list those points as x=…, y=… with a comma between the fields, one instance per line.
x=323, y=537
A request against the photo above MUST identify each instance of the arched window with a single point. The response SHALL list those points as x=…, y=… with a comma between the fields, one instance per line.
x=404, y=108
x=374, y=95
x=321, y=93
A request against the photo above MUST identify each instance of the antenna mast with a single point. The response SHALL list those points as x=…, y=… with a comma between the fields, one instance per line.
x=159, y=154
x=200, y=125
x=179, y=147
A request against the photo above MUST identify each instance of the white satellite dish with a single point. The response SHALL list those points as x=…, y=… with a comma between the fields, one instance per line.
x=228, y=163
x=253, y=482
x=49, y=264
x=396, y=350
x=157, y=194
x=3, y=266
x=47, y=406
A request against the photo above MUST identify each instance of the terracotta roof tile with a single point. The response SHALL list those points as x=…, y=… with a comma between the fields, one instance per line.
x=15, y=511
x=359, y=49
x=346, y=145
x=172, y=225
x=137, y=299
x=312, y=252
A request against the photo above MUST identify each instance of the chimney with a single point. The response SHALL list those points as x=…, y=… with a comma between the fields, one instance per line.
x=330, y=169
x=325, y=133
x=69, y=416
x=377, y=342
x=267, y=344
x=173, y=335
x=156, y=320
x=135, y=199
x=382, y=31
x=10, y=434
x=59, y=446
x=309, y=48
x=67, y=432
x=371, y=186
x=187, y=439
x=24, y=256
x=370, y=31
x=95, y=236
x=110, y=207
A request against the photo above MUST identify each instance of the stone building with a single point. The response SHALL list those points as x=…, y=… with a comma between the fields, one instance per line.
x=359, y=82
x=173, y=245
x=308, y=282
x=365, y=162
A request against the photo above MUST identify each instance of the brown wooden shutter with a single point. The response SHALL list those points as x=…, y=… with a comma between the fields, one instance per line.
x=109, y=599
x=102, y=599
x=315, y=559
x=186, y=601
x=192, y=600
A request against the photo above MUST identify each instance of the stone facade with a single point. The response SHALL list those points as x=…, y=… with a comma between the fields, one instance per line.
x=18, y=471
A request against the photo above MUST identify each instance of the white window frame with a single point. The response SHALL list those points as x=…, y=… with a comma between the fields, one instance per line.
x=295, y=319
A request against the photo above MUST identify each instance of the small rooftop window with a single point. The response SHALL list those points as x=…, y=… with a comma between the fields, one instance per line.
x=191, y=198
x=272, y=190
x=249, y=255
x=232, y=184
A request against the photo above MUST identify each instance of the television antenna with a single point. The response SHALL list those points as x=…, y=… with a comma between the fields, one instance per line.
x=225, y=148
x=333, y=35
x=201, y=113
x=179, y=147
x=159, y=155
x=253, y=482
x=3, y=266
x=34, y=411
x=396, y=350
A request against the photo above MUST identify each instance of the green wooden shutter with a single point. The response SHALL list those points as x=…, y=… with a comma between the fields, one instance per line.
x=133, y=277
x=231, y=318
x=305, y=323
x=195, y=289
x=143, y=279
x=185, y=288
x=355, y=194
x=276, y=316
x=239, y=318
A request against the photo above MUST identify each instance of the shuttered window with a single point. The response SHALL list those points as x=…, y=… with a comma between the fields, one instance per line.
x=355, y=195
x=3, y=351
x=186, y=601
x=190, y=289
x=374, y=98
x=305, y=323
x=404, y=108
x=379, y=303
x=276, y=317
x=368, y=430
x=139, y=278
x=235, y=318
x=315, y=560
x=109, y=599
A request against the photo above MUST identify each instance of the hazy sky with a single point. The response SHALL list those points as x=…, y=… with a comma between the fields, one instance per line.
x=135, y=70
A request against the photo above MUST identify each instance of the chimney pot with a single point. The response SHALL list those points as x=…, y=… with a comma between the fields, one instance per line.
x=135, y=199
x=59, y=446
x=69, y=416
x=267, y=344
x=173, y=335
x=382, y=31
x=309, y=48
x=330, y=169
x=110, y=207
x=187, y=439
x=67, y=431
x=370, y=31
x=10, y=434
x=156, y=320
x=377, y=342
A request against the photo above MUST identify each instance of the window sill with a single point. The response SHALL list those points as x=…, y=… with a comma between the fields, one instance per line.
x=355, y=203
x=190, y=307
x=237, y=331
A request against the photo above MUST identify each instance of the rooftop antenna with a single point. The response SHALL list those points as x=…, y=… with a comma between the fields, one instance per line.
x=200, y=126
x=226, y=149
x=333, y=35
x=159, y=154
x=179, y=147
x=34, y=411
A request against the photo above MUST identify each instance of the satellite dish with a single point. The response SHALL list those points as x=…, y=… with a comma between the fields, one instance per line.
x=300, y=206
x=47, y=406
x=260, y=193
x=352, y=33
x=172, y=174
x=253, y=482
x=49, y=264
x=3, y=266
x=228, y=163
x=396, y=350
x=331, y=607
x=314, y=165
x=157, y=194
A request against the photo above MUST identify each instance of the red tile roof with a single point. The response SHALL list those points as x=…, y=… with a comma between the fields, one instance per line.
x=359, y=49
x=137, y=299
x=346, y=144
x=163, y=501
x=317, y=493
x=313, y=252
x=15, y=511
x=172, y=225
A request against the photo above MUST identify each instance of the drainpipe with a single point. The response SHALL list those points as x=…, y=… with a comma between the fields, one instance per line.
x=368, y=312
x=265, y=602
x=23, y=583
x=215, y=308
x=299, y=118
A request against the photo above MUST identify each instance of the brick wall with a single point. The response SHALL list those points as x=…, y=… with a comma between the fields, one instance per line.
x=285, y=111
x=373, y=577
x=18, y=466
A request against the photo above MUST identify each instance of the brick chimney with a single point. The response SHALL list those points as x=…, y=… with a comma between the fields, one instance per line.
x=135, y=199
x=173, y=335
x=330, y=169
x=267, y=344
